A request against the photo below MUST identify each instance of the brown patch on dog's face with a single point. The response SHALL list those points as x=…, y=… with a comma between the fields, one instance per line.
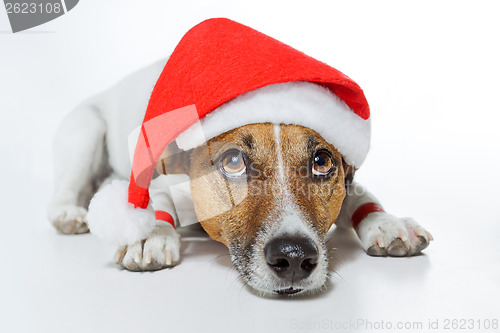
x=232, y=208
x=318, y=196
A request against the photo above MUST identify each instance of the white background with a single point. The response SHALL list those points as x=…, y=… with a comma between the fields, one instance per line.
x=430, y=71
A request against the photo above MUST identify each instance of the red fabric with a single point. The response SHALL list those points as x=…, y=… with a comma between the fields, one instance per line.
x=137, y=195
x=164, y=216
x=220, y=59
x=151, y=144
x=362, y=211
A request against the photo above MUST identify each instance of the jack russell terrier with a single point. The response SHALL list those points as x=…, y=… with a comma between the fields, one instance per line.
x=270, y=139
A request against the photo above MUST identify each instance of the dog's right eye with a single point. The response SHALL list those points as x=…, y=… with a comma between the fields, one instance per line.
x=233, y=163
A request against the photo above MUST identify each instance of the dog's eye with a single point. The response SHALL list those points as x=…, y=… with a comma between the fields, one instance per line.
x=233, y=163
x=322, y=163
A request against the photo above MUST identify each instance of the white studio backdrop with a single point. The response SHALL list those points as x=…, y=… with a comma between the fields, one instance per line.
x=430, y=72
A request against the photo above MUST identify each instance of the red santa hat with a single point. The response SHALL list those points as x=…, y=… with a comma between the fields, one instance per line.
x=215, y=62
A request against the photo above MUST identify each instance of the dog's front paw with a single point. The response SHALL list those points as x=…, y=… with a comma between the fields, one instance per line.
x=69, y=220
x=382, y=234
x=159, y=250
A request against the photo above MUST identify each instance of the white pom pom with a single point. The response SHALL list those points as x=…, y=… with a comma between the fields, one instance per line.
x=113, y=218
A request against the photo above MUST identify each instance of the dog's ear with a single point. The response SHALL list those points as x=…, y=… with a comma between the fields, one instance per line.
x=174, y=161
x=349, y=172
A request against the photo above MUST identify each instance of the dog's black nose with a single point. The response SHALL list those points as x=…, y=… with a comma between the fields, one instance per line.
x=292, y=257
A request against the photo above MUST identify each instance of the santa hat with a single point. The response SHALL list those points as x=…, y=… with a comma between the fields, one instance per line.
x=215, y=62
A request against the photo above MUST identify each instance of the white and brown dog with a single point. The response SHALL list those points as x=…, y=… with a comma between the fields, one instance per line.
x=270, y=190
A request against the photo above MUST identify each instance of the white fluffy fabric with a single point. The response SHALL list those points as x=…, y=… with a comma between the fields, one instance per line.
x=117, y=221
x=299, y=103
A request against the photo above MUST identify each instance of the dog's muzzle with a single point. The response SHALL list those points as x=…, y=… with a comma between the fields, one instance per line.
x=292, y=258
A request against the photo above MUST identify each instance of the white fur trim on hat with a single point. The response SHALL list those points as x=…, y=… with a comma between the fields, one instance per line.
x=300, y=103
x=117, y=221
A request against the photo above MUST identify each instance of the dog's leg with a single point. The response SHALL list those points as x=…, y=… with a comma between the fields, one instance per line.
x=380, y=233
x=79, y=164
x=162, y=247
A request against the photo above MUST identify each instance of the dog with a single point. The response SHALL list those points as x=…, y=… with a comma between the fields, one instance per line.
x=269, y=191
x=275, y=235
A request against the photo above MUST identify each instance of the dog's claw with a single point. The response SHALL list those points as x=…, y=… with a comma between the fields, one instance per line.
x=403, y=235
x=120, y=253
x=168, y=258
x=419, y=231
x=148, y=258
x=380, y=241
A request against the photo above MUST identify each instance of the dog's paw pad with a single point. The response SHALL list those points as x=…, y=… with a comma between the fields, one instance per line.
x=160, y=250
x=71, y=220
x=382, y=234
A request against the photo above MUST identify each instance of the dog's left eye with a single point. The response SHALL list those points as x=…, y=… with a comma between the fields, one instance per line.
x=322, y=164
x=233, y=163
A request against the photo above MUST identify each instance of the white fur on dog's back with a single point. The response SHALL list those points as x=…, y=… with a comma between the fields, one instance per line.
x=123, y=107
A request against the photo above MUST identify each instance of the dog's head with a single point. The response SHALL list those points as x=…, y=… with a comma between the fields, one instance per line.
x=270, y=192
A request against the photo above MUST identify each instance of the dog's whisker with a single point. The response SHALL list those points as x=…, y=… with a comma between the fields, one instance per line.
x=219, y=257
x=334, y=252
x=338, y=259
x=331, y=238
x=238, y=277
x=335, y=276
x=244, y=284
